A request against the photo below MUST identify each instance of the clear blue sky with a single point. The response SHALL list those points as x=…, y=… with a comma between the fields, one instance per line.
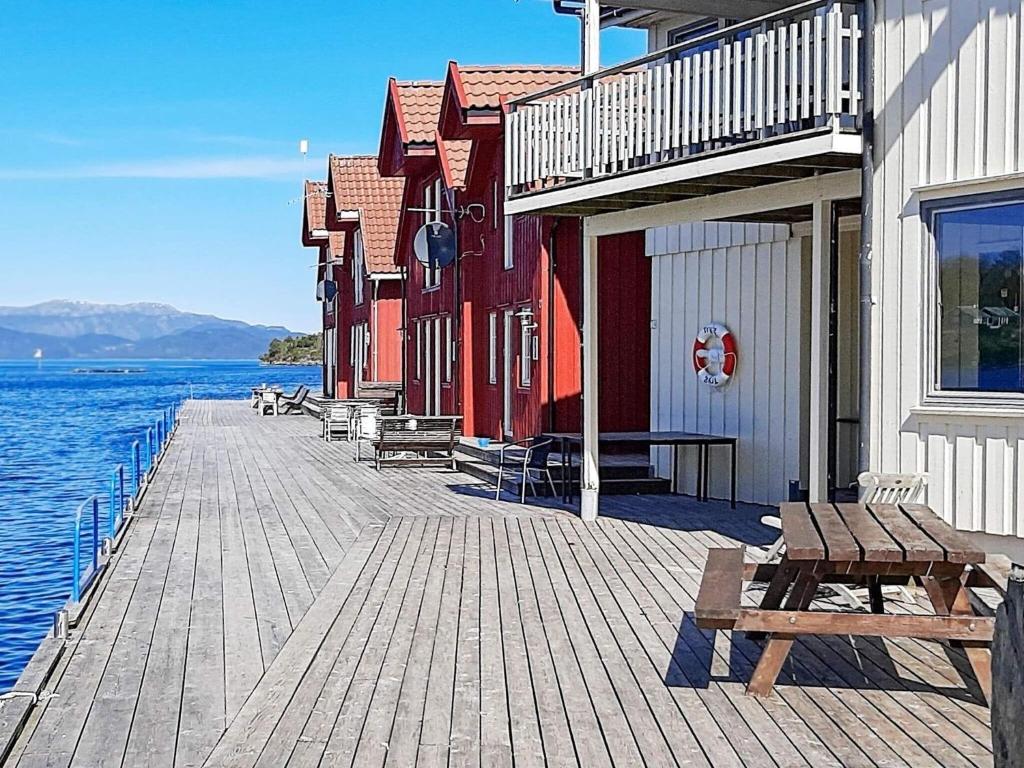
x=149, y=150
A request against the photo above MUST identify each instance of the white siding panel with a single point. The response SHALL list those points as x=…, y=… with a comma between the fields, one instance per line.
x=729, y=283
x=948, y=92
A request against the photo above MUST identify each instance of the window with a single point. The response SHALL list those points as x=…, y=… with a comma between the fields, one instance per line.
x=358, y=267
x=433, y=194
x=366, y=345
x=449, y=350
x=692, y=32
x=492, y=348
x=352, y=346
x=525, y=350
x=419, y=350
x=979, y=256
x=509, y=242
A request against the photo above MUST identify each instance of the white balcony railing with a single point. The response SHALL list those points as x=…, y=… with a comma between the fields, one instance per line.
x=794, y=71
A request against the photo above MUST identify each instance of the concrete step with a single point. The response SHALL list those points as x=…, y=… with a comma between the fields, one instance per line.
x=612, y=486
x=613, y=467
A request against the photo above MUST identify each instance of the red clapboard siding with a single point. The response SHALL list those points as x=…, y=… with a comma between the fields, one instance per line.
x=624, y=333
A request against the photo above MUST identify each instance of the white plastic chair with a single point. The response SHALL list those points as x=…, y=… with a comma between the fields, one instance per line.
x=366, y=419
x=876, y=488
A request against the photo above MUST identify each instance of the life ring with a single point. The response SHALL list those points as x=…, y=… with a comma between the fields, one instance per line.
x=714, y=363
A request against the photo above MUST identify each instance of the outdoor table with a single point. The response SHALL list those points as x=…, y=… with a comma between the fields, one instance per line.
x=272, y=398
x=857, y=545
x=676, y=440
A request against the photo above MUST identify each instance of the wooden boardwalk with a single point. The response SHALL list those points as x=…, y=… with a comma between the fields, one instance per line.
x=279, y=604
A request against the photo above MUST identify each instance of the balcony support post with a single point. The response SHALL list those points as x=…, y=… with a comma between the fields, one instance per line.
x=590, y=481
x=820, y=389
x=590, y=37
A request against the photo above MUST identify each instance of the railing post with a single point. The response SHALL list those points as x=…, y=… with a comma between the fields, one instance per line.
x=112, y=522
x=136, y=469
x=76, y=586
x=95, y=533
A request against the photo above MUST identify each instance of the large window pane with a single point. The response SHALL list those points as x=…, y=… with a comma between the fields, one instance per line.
x=980, y=252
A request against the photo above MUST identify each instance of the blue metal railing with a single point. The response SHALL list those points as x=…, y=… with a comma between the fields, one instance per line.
x=82, y=581
x=120, y=500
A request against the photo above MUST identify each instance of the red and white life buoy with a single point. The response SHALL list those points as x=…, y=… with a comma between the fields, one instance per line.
x=714, y=355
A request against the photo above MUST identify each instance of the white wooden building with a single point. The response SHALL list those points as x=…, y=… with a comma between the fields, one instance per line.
x=841, y=184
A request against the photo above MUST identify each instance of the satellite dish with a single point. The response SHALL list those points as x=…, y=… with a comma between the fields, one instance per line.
x=326, y=290
x=434, y=245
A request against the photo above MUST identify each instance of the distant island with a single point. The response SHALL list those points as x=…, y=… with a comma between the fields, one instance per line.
x=82, y=330
x=295, y=350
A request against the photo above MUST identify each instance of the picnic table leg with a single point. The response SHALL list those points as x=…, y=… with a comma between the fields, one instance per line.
x=779, y=645
x=781, y=581
x=949, y=598
x=875, y=595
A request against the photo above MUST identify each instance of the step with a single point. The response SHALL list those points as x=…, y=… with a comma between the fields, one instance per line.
x=634, y=467
x=613, y=486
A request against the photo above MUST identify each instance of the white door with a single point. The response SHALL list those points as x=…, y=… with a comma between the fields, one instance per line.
x=506, y=373
x=428, y=368
x=438, y=365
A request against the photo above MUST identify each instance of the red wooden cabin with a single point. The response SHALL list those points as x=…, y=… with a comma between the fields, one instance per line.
x=361, y=214
x=316, y=235
x=434, y=173
x=495, y=337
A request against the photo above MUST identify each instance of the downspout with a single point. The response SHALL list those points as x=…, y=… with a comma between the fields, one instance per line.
x=374, y=341
x=456, y=341
x=867, y=205
x=552, y=267
x=405, y=340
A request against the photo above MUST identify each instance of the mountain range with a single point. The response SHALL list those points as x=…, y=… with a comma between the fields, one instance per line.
x=78, y=329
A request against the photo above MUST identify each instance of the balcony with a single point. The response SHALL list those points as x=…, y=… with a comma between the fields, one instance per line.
x=774, y=98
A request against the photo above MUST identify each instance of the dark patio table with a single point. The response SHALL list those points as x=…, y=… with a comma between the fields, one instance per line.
x=675, y=439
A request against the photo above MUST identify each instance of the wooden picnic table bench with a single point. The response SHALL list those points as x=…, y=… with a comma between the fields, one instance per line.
x=431, y=438
x=861, y=546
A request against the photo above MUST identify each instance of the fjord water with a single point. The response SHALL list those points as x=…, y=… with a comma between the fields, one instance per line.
x=61, y=433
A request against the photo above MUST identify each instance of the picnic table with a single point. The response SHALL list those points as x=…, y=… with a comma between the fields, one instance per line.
x=676, y=440
x=859, y=546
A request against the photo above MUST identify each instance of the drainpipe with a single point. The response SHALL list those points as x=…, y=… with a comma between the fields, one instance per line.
x=552, y=267
x=376, y=329
x=867, y=205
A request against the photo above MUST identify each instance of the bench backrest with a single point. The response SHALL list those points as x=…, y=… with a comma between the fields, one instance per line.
x=440, y=431
x=881, y=488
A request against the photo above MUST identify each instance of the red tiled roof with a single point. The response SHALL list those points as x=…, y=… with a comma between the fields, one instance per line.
x=358, y=186
x=419, y=104
x=314, y=209
x=485, y=87
x=336, y=240
x=454, y=157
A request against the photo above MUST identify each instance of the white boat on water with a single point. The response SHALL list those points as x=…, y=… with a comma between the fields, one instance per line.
x=37, y=355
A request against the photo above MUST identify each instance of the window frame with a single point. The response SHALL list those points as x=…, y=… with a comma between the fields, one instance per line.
x=934, y=395
x=509, y=243
x=418, y=372
x=492, y=347
x=433, y=193
x=358, y=267
x=525, y=378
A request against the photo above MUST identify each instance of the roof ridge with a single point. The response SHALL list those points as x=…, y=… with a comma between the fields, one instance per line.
x=517, y=67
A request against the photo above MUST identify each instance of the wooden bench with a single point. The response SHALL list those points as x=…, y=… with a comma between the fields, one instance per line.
x=718, y=600
x=388, y=394
x=433, y=438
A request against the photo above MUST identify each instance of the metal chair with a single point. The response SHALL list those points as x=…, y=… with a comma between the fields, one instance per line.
x=876, y=488
x=526, y=457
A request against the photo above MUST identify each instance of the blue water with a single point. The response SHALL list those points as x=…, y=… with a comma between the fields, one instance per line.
x=61, y=433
